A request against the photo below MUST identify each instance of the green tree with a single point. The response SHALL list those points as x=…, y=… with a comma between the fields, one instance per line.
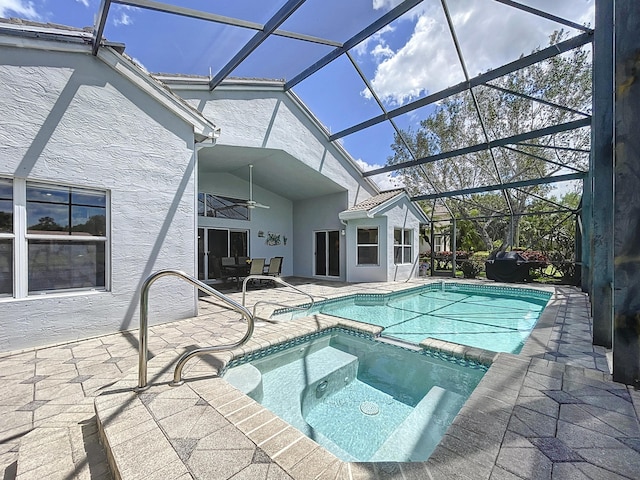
x=562, y=80
x=47, y=224
x=552, y=232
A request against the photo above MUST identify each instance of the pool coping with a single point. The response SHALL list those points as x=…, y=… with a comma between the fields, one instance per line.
x=125, y=416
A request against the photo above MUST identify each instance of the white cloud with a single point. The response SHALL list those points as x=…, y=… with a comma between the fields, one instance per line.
x=122, y=19
x=19, y=8
x=385, y=4
x=83, y=2
x=363, y=47
x=121, y=15
x=139, y=63
x=490, y=34
x=385, y=181
x=422, y=64
x=382, y=51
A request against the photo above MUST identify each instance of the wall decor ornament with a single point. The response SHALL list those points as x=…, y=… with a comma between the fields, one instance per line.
x=273, y=239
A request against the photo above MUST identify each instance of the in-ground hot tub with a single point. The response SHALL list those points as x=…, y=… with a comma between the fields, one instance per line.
x=361, y=399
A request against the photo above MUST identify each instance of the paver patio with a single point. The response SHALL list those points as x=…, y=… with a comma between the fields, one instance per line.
x=550, y=412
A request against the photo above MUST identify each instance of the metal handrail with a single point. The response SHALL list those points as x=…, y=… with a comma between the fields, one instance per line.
x=185, y=357
x=266, y=302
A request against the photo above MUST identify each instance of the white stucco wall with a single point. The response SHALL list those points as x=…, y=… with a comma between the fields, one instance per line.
x=70, y=119
x=269, y=118
x=278, y=218
x=310, y=216
x=401, y=214
x=367, y=273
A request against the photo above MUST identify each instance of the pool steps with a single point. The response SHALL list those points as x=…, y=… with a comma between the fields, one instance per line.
x=324, y=364
x=420, y=432
x=247, y=379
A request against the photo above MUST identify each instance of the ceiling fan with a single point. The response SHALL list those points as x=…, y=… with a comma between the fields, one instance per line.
x=251, y=203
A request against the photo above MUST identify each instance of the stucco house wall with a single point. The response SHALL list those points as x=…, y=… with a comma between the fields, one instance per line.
x=268, y=117
x=310, y=216
x=401, y=215
x=367, y=273
x=262, y=115
x=278, y=218
x=70, y=119
x=387, y=211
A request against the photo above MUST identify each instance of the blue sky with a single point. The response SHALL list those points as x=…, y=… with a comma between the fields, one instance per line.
x=406, y=60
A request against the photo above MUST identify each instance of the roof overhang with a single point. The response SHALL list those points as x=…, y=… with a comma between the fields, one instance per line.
x=201, y=83
x=378, y=209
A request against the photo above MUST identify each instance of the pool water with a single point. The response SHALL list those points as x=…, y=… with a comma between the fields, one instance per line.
x=361, y=399
x=497, y=319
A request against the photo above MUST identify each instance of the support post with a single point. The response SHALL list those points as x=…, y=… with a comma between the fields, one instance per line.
x=602, y=176
x=626, y=220
x=432, y=266
x=584, y=219
x=454, y=247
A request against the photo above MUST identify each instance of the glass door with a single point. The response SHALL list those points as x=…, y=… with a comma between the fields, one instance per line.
x=327, y=253
x=202, y=255
x=216, y=243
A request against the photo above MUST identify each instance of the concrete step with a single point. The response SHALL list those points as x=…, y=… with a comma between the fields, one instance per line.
x=421, y=431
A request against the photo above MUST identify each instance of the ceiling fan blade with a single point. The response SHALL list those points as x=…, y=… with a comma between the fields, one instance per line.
x=252, y=204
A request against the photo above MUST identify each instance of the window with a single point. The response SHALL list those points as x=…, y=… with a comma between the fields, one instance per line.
x=64, y=233
x=6, y=237
x=210, y=205
x=441, y=243
x=402, y=245
x=66, y=236
x=367, y=246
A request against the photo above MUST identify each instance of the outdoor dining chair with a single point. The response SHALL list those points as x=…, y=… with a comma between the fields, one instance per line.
x=275, y=267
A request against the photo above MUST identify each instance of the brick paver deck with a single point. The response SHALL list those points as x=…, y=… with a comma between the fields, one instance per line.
x=551, y=412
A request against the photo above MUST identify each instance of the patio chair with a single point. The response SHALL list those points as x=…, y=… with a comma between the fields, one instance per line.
x=257, y=268
x=275, y=267
x=225, y=271
x=227, y=261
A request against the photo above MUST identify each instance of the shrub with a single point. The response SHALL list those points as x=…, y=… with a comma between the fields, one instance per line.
x=448, y=256
x=470, y=268
x=535, y=256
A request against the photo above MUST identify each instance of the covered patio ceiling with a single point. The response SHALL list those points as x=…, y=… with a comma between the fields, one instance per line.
x=302, y=40
x=299, y=183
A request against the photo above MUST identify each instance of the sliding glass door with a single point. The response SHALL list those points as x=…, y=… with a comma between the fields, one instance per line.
x=327, y=253
x=214, y=244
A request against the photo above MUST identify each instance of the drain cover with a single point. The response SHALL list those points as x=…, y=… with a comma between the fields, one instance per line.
x=369, y=408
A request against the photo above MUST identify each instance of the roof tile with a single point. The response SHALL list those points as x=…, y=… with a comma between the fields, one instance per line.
x=376, y=200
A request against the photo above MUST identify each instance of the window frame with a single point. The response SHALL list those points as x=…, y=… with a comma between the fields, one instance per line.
x=9, y=237
x=367, y=245
x=403, y=246
x=21, y=239
x=204, y=210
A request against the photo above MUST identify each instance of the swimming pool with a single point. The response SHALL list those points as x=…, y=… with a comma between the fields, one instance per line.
x=499, y=319
x=361, y=399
